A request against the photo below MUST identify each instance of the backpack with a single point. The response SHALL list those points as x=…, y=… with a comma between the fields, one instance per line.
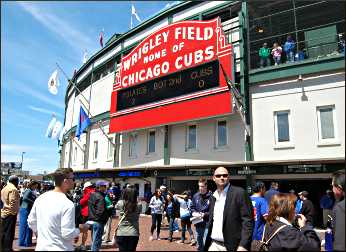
x=263, y=245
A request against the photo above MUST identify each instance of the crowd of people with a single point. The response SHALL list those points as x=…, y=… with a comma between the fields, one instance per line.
x=225, y=220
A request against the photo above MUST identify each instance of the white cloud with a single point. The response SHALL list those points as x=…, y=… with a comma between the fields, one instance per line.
x=44, y=111
x=40, y=96
x=16, y=148
x=59, y=26
x=18, y=158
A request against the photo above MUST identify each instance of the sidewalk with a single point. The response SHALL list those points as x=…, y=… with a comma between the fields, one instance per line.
x=143, y=245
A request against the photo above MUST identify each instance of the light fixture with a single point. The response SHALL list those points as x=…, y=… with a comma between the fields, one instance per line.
x=259, y=29
x=304, y=96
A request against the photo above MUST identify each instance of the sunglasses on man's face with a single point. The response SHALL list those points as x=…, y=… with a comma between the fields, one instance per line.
x=221, y=175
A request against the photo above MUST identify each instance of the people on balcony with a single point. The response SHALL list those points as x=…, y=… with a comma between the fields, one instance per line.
x=289, y=47
x=264, y=54
x=276, y=52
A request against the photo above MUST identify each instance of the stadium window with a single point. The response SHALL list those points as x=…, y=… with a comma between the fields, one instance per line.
x=151, y=141
x=191, y=139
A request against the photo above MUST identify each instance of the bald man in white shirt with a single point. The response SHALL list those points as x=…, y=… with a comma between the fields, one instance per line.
x=231, y=219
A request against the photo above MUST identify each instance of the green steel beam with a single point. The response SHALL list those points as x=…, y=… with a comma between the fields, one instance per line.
x=308, y=66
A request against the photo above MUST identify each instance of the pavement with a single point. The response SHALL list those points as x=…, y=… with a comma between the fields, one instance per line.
x=143, y=245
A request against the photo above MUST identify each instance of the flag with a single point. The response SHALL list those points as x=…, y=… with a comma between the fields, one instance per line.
x=56, y=130
x=53, y=83
x=50, y=127
x=133, y=12
x=83, y=122
x=101, y=38
x=85, y=56
x=237, y=99
x=62, y=132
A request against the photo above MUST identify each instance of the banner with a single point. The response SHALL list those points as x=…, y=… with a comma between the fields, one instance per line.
x=166, y=78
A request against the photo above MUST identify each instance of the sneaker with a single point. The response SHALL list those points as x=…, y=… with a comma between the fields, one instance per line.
x=151, y=238
x=176, y=231
x=180, y=241
x=82, y=248
x=193, y=242
x=158, y=238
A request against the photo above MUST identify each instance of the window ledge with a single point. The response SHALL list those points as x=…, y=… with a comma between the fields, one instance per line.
x=329, y=143
x=150, y=154
x=284, y=146
x=109, y=160
x=192, y=151
x=94, y=161
x=222, y=149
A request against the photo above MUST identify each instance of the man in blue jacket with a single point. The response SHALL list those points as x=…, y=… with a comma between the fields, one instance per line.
x=327, y=203
x=274, y=186
x=200, y=212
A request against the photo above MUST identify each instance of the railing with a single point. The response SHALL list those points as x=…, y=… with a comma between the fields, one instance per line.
x=319, y=47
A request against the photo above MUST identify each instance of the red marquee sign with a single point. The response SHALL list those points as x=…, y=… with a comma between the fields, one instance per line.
x=172, y=76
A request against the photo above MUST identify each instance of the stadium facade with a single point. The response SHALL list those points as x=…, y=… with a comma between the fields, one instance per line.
x=159, y=128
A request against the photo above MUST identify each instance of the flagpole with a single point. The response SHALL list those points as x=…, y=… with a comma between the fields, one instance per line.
x=237, y=98
x=98, y=123
x=77, y=144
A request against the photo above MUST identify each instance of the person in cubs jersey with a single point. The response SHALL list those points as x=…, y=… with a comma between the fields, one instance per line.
x=260, y=208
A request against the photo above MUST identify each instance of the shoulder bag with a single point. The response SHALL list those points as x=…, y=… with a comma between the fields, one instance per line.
x=262, y=245
x=114, y=241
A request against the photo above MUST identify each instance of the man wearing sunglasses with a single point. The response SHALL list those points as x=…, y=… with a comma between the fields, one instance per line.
x=231, y=219
x=52, y=216
x=338, y=184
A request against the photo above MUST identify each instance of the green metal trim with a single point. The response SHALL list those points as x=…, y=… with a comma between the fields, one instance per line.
x=166, y=156
x=170, y=19
x=307, y=66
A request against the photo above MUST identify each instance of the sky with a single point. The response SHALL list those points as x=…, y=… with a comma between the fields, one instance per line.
x=34, y=37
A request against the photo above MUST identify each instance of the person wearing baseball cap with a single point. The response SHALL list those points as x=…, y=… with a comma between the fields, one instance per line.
x=88, y=188
x=98, y=213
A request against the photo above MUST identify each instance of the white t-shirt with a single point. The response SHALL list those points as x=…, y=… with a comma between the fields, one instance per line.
x=185, y=206
x=53, y=218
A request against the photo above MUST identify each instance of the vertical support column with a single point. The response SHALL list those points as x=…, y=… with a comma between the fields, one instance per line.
x=116, y=150
x=87, y=140
x=166, y=156
x=70, y=151
x=244, y=79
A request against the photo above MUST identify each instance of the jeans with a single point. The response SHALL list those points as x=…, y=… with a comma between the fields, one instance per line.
x=290, y=56
x=170, y=227
x=156, y=223
x=264, y=62
x=107, y=230
x=202, y=231
x=186, y=224
x=277, y=60
x=97, y=236
x=127, y=243
x=8, y=227
x=25, y=233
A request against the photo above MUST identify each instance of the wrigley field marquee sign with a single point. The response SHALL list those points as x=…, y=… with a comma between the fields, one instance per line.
x=173, y=76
